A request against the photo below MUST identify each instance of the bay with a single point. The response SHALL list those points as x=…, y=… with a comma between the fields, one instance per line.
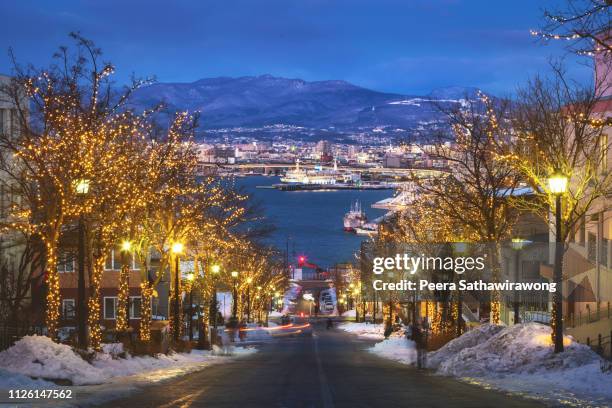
x=310, y=222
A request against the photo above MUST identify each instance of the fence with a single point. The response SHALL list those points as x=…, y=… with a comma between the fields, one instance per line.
x=10, y=334
x=590, y=316
x=602, y=345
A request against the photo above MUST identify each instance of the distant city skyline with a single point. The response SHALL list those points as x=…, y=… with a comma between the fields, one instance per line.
x=408, y=47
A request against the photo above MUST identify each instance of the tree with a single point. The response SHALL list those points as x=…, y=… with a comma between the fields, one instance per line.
x=73, y=105
x=585, y=24
x=474, y=193
x=558, y=128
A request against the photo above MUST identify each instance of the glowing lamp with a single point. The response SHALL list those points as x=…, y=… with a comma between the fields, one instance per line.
x=126, y=246
x=177, y=248
x=215, y=269
x=190, y=277
x=249, y=280
x=234, y=274
x=81, y=187
x=557, y=183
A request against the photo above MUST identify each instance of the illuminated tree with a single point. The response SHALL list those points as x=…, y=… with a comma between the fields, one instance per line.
x=72, y=107
x=558, y=128
x=585, y=24
x=475, y=192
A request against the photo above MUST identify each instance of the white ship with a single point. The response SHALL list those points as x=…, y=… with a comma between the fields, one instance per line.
x=355, y=218
x=320, y=177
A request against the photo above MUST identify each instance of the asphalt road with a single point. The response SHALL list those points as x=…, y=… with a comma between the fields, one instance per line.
x=330, y=369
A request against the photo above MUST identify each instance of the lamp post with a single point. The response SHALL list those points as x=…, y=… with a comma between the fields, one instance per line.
x=191, y=279
x=517, y=244
x=215, y=269
x=249, y=281
x=81, y=189
x=177, y=250
x=557, y=183
x=235, y=296
x=126, y=247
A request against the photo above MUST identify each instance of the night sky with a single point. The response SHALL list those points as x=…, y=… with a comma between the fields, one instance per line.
x=407, y=46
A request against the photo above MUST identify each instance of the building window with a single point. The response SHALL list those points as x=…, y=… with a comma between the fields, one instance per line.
x=592, y=247
x=113, y=261
x=155, y=307
x=68, y=309
x=603, y=252
x=135, y=307
x=110, y=308
x=65, y=262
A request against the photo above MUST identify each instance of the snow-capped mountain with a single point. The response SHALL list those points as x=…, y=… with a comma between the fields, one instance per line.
x=258, y=101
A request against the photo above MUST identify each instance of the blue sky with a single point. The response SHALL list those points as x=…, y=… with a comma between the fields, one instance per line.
x=407, y=46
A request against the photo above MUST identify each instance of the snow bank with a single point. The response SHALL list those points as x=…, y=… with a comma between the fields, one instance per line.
x=372, y=331
x=349, y=313
x=274, y=313
x=522, y=348
x=518, y=358
x=521, y=358
x=39, y=357
x=468, y=339
x=396, y=348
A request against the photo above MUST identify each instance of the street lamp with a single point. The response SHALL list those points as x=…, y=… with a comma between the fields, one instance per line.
x=126, y=247
x=213, y=310
x=249, y=281
x=557, y=183
x=177, y=250
x=81, y=188
x=517, y=244
x=191, y=279
x=235, y=295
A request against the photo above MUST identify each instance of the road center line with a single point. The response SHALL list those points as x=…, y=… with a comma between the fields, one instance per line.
x=326, y=396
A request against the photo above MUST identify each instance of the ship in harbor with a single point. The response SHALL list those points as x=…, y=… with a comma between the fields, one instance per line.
x=355, y=218
x=319, y=176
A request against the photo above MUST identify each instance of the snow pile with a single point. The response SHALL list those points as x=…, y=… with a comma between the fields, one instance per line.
x=349, y=313
x=396, y=348
x=274, y=313
x=522, y=348
x=372, y=331
x=39, y=357
x=469, y=339
x=521, y=358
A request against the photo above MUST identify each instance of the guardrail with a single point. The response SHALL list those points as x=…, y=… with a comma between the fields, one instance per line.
x=602, y=345
x=590, y=316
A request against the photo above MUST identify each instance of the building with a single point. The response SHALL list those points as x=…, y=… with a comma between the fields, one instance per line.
x=23, y=278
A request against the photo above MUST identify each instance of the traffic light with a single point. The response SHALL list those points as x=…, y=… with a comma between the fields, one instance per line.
x=301, y=260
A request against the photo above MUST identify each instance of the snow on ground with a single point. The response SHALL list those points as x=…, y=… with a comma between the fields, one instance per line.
x=396, y=348
x=274, y=313
x=468, y=339
x=9, y=380
x=521, y=358
x=349, y=313
x=517, y=358
x=41, y=358
x=372, y=331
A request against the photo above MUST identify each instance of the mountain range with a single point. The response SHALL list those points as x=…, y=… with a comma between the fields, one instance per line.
x=259, y=101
